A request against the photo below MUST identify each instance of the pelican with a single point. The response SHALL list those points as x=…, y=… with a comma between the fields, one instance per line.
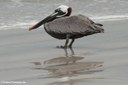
x=61, y=25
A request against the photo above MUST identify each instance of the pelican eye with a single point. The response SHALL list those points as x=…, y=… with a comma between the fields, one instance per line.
x=60, y=12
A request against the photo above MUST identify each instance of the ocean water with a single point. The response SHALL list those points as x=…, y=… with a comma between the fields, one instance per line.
x=20, y=14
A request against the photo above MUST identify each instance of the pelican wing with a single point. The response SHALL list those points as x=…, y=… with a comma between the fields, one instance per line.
x=73, y=24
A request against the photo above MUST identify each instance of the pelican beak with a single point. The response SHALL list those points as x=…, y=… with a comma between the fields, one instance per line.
x=47, y=19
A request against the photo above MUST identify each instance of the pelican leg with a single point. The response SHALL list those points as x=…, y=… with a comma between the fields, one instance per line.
x=67, y=40
x=70, y=45
x=72, y=51
x=66, y=43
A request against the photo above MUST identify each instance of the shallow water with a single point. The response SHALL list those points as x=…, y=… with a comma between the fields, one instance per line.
x=32, y=57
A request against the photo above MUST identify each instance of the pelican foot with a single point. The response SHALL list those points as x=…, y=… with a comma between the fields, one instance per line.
x=61, y=47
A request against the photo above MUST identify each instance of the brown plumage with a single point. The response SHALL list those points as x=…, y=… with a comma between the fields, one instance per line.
x=61, y=25
x=76, y=26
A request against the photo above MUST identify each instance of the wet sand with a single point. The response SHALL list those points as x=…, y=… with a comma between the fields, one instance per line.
x=32, y=57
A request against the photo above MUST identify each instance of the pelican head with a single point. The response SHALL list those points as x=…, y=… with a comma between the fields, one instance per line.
x=61, y=11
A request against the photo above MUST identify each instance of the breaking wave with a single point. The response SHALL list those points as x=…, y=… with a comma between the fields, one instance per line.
x=111, y=18
x=26, y=25
x=18, y=25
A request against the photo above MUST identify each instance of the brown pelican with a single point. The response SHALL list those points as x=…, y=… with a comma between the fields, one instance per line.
x=61, y=25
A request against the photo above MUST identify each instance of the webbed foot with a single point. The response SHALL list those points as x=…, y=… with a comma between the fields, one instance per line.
x=61, y=46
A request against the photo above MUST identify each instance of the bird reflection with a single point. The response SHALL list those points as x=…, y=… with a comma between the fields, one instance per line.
x=69, y=66
x=65, y=59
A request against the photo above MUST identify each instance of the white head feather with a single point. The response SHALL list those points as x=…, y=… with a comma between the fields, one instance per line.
x=63, y=8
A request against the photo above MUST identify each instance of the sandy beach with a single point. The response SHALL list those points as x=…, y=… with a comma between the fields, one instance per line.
x=32, y=57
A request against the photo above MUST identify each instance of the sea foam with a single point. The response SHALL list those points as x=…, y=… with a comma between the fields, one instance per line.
x=26, y=25
x=110, y=18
